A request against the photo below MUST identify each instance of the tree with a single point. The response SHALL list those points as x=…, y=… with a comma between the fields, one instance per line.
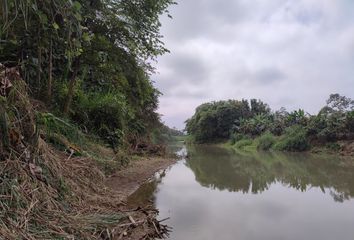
x=214, y=121
x=340, y=103
x=86, y=59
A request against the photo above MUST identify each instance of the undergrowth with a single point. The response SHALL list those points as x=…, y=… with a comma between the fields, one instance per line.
x=43, y=193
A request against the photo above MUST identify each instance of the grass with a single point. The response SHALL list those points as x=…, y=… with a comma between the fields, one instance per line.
x=242, y=144
x=265, y=142
x=181, y=138
x=294, y=140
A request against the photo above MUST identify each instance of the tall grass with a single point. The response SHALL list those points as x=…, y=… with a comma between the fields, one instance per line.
x=243, y=143
x=265, y=141
x=294, y=140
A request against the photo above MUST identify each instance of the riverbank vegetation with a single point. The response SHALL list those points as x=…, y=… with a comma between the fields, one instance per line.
x=76, y=102
x=253, y=125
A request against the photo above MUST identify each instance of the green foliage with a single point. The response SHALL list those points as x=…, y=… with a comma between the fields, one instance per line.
x=265, y=141
x=258, y=107
x=296, y=117
x=56, y=128
x=215, y=120
x=89, y=61
x=333, y=146
x=350, y=121
x=104, y=113
x=295, y=130
x=329, y=125
x=243, y=143
x=165, y=134
x=255, y=125
x=294, y=139
x=235, y=137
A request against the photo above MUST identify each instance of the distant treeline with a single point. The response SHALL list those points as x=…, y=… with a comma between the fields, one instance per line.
x=244, y=121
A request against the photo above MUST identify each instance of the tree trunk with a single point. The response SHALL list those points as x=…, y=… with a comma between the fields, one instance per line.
x=50, y=73
x=71, y=87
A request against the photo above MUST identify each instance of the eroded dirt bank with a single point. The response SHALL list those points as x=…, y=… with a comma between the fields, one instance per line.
x=141, y=222
x=127, y=180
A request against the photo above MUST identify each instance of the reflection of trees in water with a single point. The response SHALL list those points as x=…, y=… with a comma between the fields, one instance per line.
x=256, y=172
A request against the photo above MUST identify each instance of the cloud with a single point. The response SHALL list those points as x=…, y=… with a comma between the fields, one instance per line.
x=288, y=53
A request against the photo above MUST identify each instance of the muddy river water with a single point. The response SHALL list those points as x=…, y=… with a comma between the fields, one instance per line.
x=216, y=193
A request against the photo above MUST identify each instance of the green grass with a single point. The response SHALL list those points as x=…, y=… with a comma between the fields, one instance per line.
x=265, y=142
x=243, y=143
x=181, y=138
x=294, y=140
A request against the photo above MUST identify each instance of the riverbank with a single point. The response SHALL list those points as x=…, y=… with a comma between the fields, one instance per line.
x=53, y=176
x=60, y=196
x=339, y=148
x=141, y=222
x=140, y=170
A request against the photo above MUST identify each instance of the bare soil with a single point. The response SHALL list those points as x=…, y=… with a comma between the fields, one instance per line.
x=125, y=182
x=128, y=180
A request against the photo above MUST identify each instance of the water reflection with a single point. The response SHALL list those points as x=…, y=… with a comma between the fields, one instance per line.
x=219, y=194
x=221, y=169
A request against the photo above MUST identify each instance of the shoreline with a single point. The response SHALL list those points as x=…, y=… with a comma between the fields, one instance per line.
x=346, y=151
x=142, y=220
x=126, y=181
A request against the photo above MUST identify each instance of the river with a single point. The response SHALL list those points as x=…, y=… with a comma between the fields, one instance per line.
x=216, y=193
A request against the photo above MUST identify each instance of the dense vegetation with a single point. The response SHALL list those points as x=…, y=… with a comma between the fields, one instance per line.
x=76, y=102
x=254, y=124
x=88, y=61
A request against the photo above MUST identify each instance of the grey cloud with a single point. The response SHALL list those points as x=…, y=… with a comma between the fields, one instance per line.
x=269, y=76
x=195, y=18
x=290, y=53
x=263, y=76
x=188, y=68
x=181, y=68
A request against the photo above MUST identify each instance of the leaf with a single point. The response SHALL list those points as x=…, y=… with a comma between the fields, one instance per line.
x=42, y=17
x=55, y=26
x=86, y=37
x=77, y=6
x=78, y=16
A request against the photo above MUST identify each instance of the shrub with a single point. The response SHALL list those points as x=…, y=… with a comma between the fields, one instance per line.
x=350, y=121
x=266, y=141
x=59, y=131
x=235, y=137
x=333, y=147
x=293, y=140
x=104, y=114
x=243, y=143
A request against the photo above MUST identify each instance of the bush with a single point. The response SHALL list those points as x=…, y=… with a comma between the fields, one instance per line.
x=266, y=141
x=235, y=137
x=103, y=114
x=350, y=121
x=333, y=147
x=60, y=132
x=293, y=140
x=243, y=143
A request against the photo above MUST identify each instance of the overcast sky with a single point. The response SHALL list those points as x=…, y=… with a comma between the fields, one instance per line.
x=290, y=53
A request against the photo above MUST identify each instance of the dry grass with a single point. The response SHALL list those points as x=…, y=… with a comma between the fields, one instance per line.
x=46, y=194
